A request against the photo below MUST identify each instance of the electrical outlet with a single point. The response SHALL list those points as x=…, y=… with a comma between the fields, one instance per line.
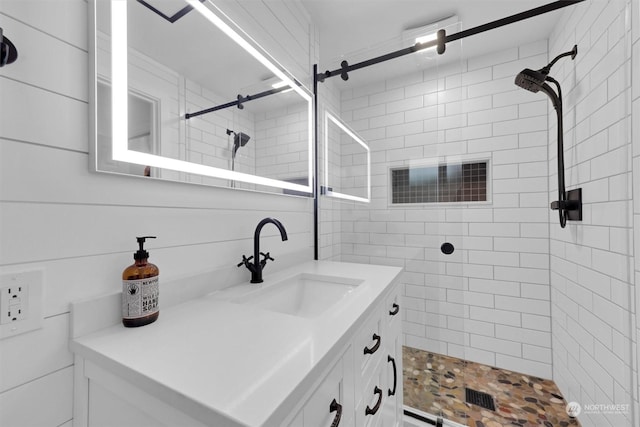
x=21, y=296
x=14, y=303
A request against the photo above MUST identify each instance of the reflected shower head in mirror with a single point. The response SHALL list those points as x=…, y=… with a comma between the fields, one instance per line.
x=240, y=139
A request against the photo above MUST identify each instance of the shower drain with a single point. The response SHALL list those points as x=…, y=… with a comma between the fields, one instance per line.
x=479, y=398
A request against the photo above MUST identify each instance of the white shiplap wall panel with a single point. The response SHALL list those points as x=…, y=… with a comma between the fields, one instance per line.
x=44, y=401
x=36, y=353
x=101, y=229
x=56, y=18
x=64, y=62
x=32, y=114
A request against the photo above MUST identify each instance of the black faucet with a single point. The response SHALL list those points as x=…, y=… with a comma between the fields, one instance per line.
x=258, y=265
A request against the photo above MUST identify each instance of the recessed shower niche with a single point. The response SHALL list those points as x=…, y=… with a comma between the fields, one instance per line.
x=205, y=81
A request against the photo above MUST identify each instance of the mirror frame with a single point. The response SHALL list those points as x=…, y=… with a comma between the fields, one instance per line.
x=328, y=116
x=119, y=105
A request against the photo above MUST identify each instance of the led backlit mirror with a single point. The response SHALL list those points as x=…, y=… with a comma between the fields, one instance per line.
x=347, y=171
x=182, y=93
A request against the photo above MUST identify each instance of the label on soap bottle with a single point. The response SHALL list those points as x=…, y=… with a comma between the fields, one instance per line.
x=140, y=297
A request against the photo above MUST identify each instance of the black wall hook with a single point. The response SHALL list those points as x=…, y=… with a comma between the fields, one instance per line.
x=8, y=51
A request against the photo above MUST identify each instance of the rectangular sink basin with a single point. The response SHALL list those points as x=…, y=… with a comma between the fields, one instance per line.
x=303, y=295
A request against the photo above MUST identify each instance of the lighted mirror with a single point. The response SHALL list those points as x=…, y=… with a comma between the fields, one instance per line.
x=182, y=93
x=347, y=171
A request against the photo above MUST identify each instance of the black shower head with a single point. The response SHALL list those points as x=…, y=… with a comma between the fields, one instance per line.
x=530, y=80
x=533, y=81
x=240, y=139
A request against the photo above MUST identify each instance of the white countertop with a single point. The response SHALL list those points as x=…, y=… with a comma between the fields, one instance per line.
x=217, y=360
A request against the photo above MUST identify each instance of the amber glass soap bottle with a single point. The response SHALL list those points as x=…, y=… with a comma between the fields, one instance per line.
x=140, y=289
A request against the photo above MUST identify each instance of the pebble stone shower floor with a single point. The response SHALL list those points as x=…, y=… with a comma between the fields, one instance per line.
x=435, y=384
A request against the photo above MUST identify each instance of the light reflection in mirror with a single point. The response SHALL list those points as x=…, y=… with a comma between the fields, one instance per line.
x=347, y=171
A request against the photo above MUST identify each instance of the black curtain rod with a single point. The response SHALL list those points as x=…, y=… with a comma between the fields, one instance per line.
x=238, y=102
x=442, y=39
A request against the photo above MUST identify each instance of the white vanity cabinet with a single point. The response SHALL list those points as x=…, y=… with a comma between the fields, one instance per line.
x=367, y=380
x=261, y=369
x=379, y=373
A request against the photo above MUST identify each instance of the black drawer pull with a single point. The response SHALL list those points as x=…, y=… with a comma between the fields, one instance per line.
x=337, y=408
x=395, y=375
x=396, y=309
x=373, y=349
x=372, y=411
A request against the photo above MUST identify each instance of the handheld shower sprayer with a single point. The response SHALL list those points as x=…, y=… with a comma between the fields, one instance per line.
x=569, y=204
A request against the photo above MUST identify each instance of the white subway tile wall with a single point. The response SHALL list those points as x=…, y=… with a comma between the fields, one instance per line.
x=587, y=259
x=467, y=301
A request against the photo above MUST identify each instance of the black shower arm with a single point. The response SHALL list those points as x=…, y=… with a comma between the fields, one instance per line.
x=573, y=52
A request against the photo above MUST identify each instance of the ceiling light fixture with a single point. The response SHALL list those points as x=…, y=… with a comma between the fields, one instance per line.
x=428, y=32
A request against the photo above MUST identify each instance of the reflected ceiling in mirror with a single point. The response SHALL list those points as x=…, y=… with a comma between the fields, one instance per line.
x=215, y=107
x=347, y=168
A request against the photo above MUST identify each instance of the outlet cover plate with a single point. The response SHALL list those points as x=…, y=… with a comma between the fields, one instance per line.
x=32, y=283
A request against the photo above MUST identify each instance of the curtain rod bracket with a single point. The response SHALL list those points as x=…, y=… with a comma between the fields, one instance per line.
x=344, y=73
x=441, y=37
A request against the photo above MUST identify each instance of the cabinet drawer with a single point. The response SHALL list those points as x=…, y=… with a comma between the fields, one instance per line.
x=370, y=409
x=369, y=343
x=332, y=400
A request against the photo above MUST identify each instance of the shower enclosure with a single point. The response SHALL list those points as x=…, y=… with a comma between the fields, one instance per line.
x=463, y=170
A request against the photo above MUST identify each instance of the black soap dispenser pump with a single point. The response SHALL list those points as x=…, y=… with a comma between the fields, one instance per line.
x=140, y=289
